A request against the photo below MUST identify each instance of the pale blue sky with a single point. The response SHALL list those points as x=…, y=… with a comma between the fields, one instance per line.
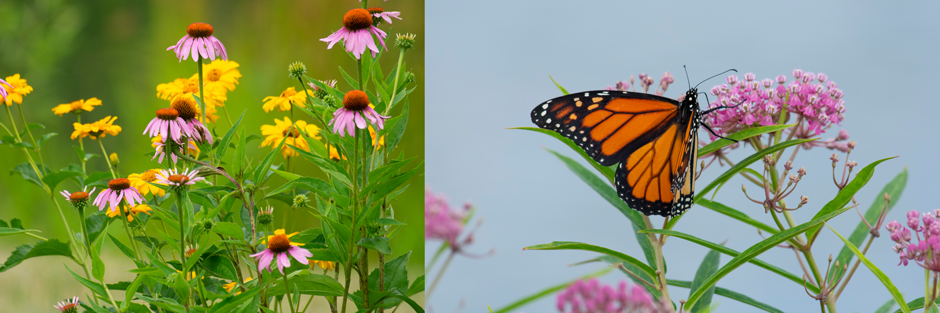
x=488, y=64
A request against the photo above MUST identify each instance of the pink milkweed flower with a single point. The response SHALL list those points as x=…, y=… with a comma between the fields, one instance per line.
x=350, y=116
x=279, y=245
x=199, y=41
x=168, y=121
x=68, y=306
x=926, y=251
x=118, y=189
x=357, y=33
x=593, y=297
x=78, y=198
x=175, y=178
x=440, y=220
x=379, y=14
x=3, y=90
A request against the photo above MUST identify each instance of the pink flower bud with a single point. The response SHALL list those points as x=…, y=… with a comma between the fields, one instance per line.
x=797, y=73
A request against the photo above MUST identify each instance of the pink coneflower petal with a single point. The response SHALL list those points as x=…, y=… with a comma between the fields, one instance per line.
x=186, y=48
x=300, y=254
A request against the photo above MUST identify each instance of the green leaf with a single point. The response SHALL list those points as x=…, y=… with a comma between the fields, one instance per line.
x=729, y=294
x=396, y=128
x=229, y=304
x=313, y=284
x=547, y=292
x=97, y=266
x=227, y=138
x=741, y=135
x=608, y=172
x=379, y=244
x=563, y=91
x=313, y=184
x=44, y=138
x=6, y=231
x=414, y=305
x=886, y=308
x=724, y=177
x=733, y=253
x=27, y=172
x=43, y=248
x=875, y=270
x=835, y=207
x=417, y=286
x=570, y=245
x=893, y=189
x=229, y=229
x=124, y=248
x=220, y=267
x=97, y=223
x=602, y=188
x=130, y=291
x=93, y=286
x=238, y=162
x=352, y=81
x=916, y=304
x=735, y=214
x=708, y=268
x=865, y=174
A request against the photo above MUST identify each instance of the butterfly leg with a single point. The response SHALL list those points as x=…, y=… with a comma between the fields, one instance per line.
x=716, y=135
x=721, y=107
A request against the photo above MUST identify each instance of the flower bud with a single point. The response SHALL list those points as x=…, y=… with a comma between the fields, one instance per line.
x=405, y=41
x=297, y=70
x=300, y=201
x=114, y=159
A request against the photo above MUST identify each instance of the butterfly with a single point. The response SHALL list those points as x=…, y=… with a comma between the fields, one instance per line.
x=654, y=139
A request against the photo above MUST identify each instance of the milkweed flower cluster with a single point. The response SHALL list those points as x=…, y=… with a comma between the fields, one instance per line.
x=816, y=100
x=645, y=83
x=440, y=220
x=926, y=252
x=593, y=297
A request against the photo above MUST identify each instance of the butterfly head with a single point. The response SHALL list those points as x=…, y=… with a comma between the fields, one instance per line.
x=691, y=97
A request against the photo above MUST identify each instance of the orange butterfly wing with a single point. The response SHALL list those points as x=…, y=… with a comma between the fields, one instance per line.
x=651, y=136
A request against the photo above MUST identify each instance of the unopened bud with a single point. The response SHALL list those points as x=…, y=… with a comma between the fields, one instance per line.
x=300, y=201
x=804, y=200
x=297, y=70
x=801, y=172
x=405, y=41
x=851, y=144
x=835, y=159
x=114, y=159
x=788, y=165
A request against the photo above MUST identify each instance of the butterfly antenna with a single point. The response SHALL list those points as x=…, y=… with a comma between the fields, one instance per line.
x=716, y=75
x=687, y=76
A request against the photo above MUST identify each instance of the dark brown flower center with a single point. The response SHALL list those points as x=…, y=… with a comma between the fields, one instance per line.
x=357, y=19
x=78, y=196
x=199, y=30
x=177, y=178
x=168, y=114
x=185, y=106
x=290, y=92
x=356, y=100
x=375, y=10
x=119, y=184
x=213, y=75
x=279, y=243
x=294, y=133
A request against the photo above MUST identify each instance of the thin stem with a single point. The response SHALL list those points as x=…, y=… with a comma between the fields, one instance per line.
x=127, y=230
x=849, y=276
x=201, y=90
x=36, y=146
x=179, y=210
x=107, y=159
x=660, y=267
x=401, y=58
x=290, y=303
x=81, y=144
x=85, y=241
x=310, y=299
x=440, y=274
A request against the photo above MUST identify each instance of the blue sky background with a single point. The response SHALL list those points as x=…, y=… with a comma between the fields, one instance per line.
x=488, y=64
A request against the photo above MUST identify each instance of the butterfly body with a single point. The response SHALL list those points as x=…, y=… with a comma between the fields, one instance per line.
x=653, y=140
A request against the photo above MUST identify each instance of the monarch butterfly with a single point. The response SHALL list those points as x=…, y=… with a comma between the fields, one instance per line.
x=654, y=139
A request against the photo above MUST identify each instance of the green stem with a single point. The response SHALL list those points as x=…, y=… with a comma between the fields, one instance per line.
x=30, y=132
x=290, y=303
x=660, y=266
x=201, y=89
x=440, y=273
x=81, y=144
x=127, y=229
x=87, y=244
x=401, y=58
x=179, y=211
x=107, y=159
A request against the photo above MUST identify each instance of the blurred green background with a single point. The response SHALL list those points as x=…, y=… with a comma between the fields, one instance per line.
x=115, y=51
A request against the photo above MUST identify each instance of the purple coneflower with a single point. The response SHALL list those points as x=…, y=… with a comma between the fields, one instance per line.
x=175, y=178
x=118, y=189
x=168, y=120
x=3, y=90
x=199, y=41
x=357, y=33
x=279, y=245
x=68, y=306
x=78, y=198
x=161, y=152
x=188, y=111
x=350, y=116
x=379, y=14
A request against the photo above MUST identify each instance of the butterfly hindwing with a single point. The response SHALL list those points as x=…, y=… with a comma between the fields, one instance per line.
x=608, y=125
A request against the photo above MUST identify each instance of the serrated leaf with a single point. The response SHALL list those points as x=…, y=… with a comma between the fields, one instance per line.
x=54, y=178
x=42, y=248
x=379, y=244
x=229, y=229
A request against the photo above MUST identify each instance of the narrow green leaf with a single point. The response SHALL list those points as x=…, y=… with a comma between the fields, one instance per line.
x=724, y=177
x=708, y=268
x=835, y=207
x=893, y=189
x=866, y=174
x=227, y=138
x=727, y=293
x=6, y=231
x=741, y=135
x=570, y=245
x=886, y=308
x=229, y=304
x=875, y=270
x=129, y=293
x=602, y=188
x=417, y=286
x=238, y=160
x=735, y=214
x=313, y=284
x=563, y=91
x=547, y=292
x=916, y=304
x=54, y=178
x=733, y=253
x=97, y=266
x=349, y=79
x=396, y=128
x=93, y=286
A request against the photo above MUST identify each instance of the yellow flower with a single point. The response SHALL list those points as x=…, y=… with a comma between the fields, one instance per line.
x=228, y=287
x=97, y=129
x=325, y=265
x=381, y=139
x=140, y=208
x=283, y=102
x=76, y=107
x=20, y=89
x=277, y=133
x=334, y=154
x=221, y=74
x=144, y=182
x=180, y=87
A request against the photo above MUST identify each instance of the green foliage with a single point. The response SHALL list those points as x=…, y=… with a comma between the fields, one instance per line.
x=708, y=268
x=42, y=248
x=878, y=273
